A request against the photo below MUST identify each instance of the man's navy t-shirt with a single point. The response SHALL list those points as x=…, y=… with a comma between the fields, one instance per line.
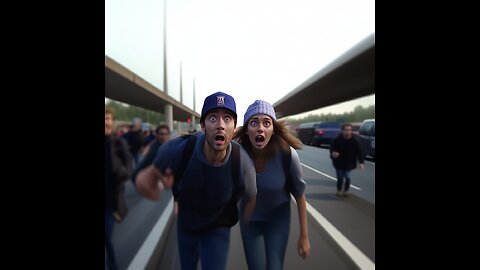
x=205, y=189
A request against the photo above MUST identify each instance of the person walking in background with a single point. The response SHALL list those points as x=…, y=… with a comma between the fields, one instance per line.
x=272, y=148
x=150, y=136
x=118, y=166
x=162, y=135
x=135, y=139
x=345, y=150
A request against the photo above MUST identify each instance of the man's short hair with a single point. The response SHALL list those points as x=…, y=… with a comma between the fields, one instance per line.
x=347, y=125
x=109, y=110
x=157, y=130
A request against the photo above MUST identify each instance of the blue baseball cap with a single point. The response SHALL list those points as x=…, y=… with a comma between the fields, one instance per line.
x=218, y=100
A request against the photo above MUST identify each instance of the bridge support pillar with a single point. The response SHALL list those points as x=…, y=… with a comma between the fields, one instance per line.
x=168, y=111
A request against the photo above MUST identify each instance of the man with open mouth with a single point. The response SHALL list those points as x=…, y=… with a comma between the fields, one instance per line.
x=209, y=174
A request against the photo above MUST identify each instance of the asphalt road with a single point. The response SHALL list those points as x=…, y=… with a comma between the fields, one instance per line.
x=319, y=159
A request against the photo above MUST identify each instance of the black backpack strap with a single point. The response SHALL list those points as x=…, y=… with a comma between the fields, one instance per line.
x=286, y=161
x=187, y=154
x=235, y=169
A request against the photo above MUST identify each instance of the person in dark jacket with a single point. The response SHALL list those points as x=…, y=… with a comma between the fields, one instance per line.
x=345, y=150
x=149, y=135
x=162, y=135
x=118, y=167
x=135, y=139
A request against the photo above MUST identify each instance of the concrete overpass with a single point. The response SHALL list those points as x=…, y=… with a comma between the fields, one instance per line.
x=124, y=85
x=350, y=76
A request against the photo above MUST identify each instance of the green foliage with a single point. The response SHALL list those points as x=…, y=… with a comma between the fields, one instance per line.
x=358, y=114
x=124, y=112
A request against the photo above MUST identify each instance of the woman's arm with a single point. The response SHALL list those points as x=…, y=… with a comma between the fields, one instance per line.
x=303, y=242
x=298, y=191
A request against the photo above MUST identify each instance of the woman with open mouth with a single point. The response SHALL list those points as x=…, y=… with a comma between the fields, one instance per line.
x=272, y=148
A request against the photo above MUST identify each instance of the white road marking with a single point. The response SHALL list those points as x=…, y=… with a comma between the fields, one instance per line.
x=357, y=256
x=146, y=250
x=328, y=176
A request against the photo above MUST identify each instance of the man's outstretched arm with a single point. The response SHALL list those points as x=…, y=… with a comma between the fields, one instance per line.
x=150, y=182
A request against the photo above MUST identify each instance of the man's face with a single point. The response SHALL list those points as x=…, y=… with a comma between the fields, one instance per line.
x=108, y=124
x=219, y=126
x=137, y=125
x=163, y=135
x=260, y=130
x=347, y=132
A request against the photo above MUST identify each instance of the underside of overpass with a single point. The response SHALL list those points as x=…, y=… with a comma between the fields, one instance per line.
x=350, y=76
x=123, y=85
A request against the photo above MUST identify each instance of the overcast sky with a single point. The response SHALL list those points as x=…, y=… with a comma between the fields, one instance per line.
x=252, y=50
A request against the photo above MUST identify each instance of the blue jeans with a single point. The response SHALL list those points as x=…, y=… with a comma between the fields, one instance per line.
x=211, y=247
x=265, y=242
x=341, y=174
x=109, y=222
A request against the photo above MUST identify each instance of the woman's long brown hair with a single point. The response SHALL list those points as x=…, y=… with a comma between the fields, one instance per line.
x=281, y=138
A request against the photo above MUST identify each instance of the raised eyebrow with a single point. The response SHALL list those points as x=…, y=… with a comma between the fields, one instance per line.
x=265, y=118
x=229, y=115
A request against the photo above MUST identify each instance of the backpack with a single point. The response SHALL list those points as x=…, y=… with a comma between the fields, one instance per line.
x=286, y=161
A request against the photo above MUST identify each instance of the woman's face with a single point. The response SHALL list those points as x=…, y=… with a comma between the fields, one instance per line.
x=260, y=130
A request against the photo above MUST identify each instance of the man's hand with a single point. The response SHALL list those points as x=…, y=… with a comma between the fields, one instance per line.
x=335, y=154
x=150, y=182
x=361, y=167
x=167, y=178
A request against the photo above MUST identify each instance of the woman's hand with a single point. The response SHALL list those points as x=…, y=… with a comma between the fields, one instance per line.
x=303, y=247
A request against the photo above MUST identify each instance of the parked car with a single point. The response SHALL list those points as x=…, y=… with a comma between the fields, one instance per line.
x=325, y=132
x=356, y=127
x=366, y=136
x=305, y=132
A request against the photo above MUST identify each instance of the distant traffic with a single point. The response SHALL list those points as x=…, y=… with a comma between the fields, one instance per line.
x=322, y=133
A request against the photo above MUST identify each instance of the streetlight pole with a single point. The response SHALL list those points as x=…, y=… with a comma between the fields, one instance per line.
x=168, y=110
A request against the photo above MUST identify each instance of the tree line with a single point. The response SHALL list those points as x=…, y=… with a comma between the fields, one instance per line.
x=125, y=112
x=358, y=114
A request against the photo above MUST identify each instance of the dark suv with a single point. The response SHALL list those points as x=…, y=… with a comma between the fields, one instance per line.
x=366, y=136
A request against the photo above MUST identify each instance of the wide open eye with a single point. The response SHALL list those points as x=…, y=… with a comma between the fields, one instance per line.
x=212, y=118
